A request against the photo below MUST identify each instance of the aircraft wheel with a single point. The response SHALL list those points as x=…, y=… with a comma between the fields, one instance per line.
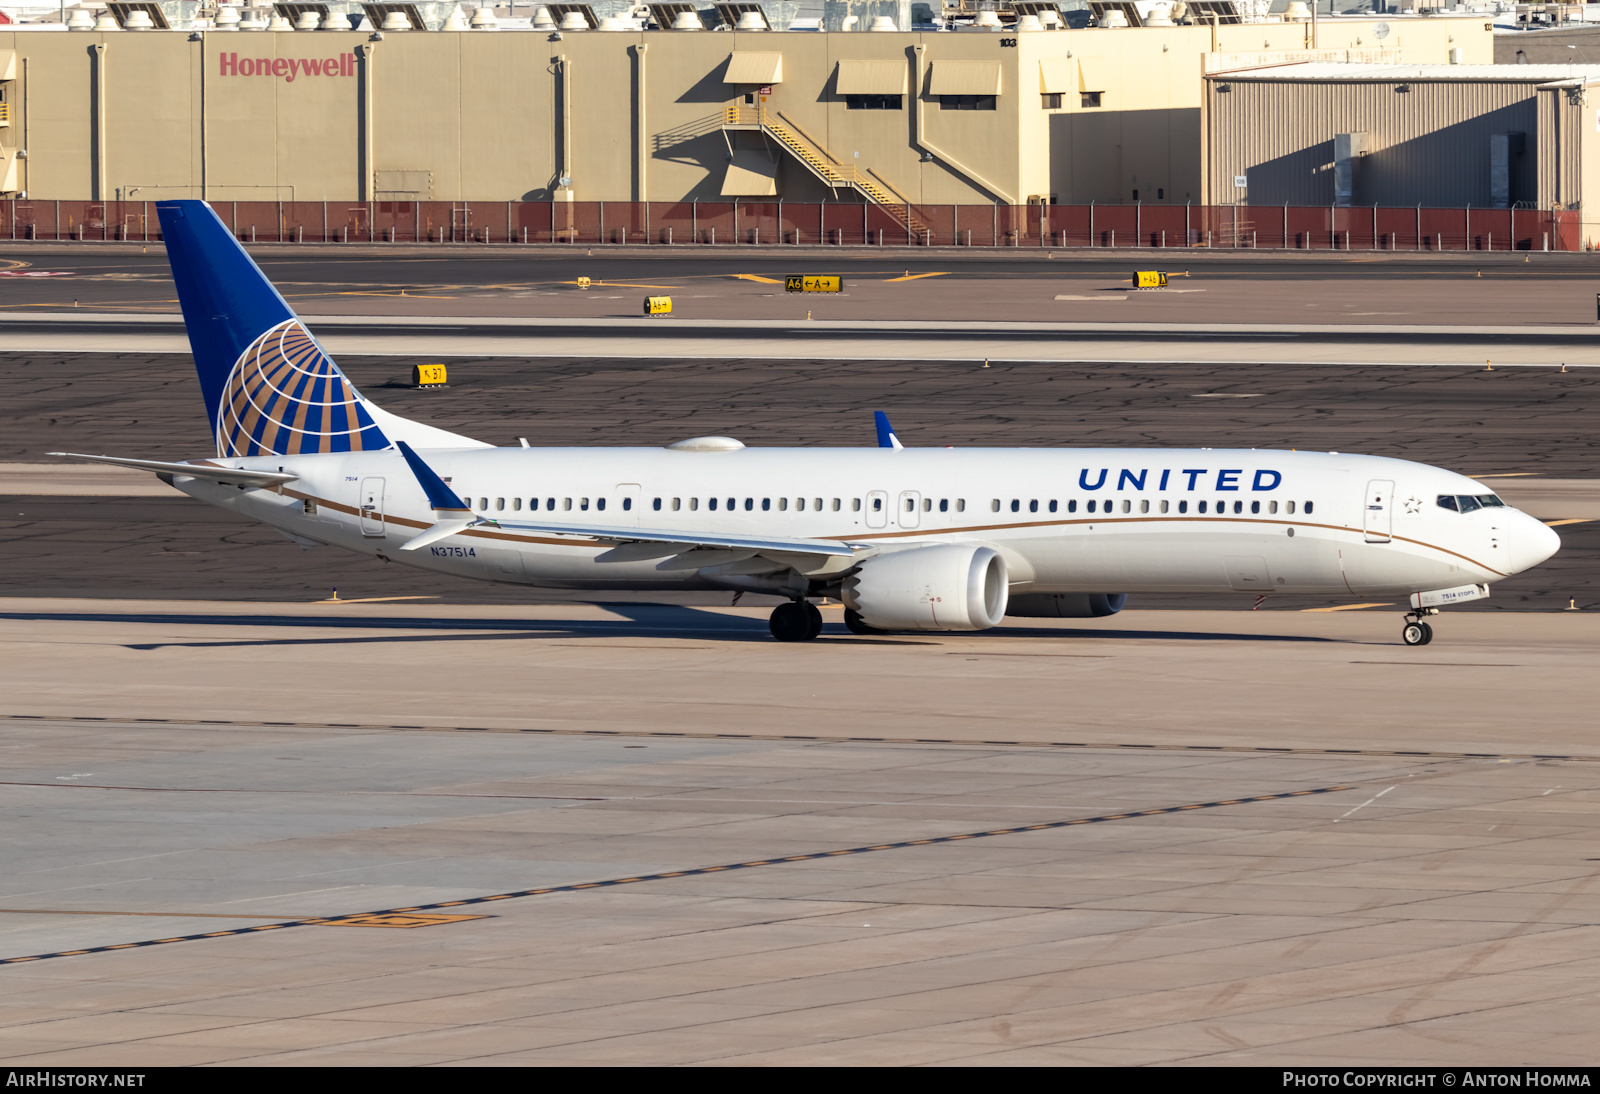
x=1415, y=634
x=789, y=623
x=855, y=624
x=1427, y=633
x=813, y=619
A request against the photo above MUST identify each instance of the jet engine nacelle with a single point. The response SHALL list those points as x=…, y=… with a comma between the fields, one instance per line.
x=955, y=587
x=1066, y=605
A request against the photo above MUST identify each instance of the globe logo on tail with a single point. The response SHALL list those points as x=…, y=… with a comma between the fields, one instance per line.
x=285, y=396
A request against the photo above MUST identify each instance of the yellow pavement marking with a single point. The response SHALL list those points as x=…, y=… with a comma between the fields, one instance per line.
x=758, y=277
x=1571, y=520
x=917, y=277
x=377, y=599
x=1507, y=475
x=411, y=919
x=620, y=285
x=1350, y=607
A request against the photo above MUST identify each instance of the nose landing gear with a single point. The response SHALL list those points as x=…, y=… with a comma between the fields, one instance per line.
x=1416, y=632
x=796, y=621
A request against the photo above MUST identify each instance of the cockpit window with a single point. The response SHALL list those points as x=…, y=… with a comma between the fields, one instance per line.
x=1466, y=503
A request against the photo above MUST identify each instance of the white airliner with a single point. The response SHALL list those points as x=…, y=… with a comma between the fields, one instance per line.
x=908, y=539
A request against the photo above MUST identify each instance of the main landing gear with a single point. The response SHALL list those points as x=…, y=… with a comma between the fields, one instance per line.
x=796, y=621
x=1416, y=632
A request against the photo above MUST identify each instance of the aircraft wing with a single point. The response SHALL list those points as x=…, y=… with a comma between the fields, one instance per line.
x=453, y=515
x=665, y=535
x=230, y=475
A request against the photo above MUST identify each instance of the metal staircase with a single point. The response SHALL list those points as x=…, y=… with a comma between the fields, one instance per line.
x=822, y=164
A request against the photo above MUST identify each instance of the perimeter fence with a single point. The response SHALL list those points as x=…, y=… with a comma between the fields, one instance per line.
x=745, y=223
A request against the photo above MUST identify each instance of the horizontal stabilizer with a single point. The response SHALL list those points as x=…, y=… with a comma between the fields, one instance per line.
x=442, y=530
x=230, y=475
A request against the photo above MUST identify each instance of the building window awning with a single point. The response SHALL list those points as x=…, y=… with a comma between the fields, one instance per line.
x=1092, y=74
x=754, y=68
x=1057, y=76
x=752, y=174
x=871, y=78
x=8, y=64
x=965, y=78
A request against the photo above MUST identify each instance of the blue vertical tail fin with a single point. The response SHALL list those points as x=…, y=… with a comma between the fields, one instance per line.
x=269, y=388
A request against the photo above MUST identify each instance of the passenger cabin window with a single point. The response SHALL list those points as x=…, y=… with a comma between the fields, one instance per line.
x=1288, y=507
x=1052, y=505
x=944, y=505
x=694, y=505
x=677, y=503
x=656, y=504
x=961, y=505
x=994, y=506
x=500, y=504
x=1183, y=507
x=855, y=504
x=1164, y=505
x=1072, y=505
x=1015, y=505
x=711, y=503
x=600, y=503
x=627, y=503
x=1310, y=505
x=516, y=504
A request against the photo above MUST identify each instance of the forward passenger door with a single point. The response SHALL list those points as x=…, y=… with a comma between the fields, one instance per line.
x=1378, y=511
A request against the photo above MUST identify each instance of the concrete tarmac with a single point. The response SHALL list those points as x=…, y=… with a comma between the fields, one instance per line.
x=1160, y=838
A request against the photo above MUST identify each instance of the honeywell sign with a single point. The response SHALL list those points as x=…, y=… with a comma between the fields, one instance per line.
x=287, y=68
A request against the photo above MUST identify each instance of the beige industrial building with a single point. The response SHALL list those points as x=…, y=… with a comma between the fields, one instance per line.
x=1068, y=116
x=1487, y=137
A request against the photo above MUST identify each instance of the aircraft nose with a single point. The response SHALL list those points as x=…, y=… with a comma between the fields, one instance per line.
x=1532, y=541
